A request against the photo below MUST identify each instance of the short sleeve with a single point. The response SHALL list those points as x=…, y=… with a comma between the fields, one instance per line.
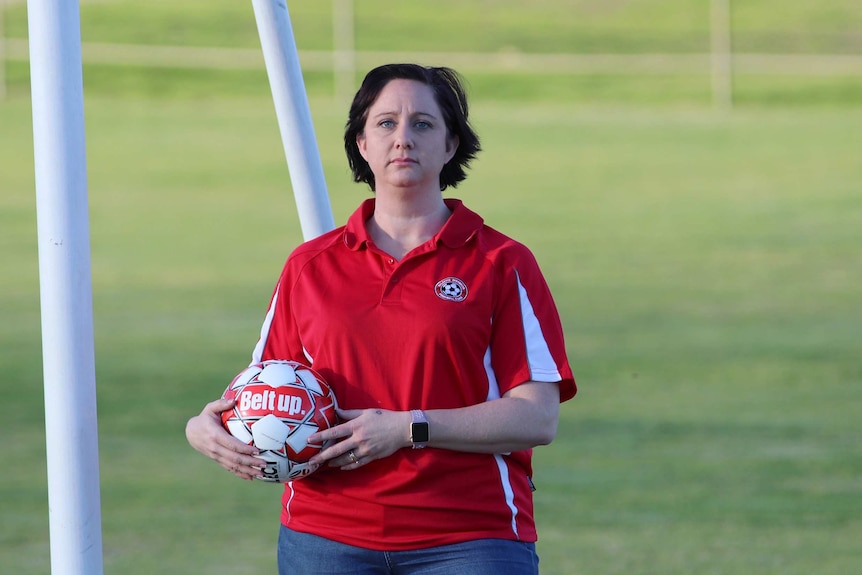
x=527, y=341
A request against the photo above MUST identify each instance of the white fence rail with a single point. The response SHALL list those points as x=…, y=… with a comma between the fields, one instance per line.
x=521, y=63
x=342, y=63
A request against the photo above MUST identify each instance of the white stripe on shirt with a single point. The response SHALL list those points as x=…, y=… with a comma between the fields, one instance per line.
x=257, y=354
x=502, y=467
x=539, y=358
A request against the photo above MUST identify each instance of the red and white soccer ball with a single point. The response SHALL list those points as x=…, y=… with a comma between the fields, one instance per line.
x=279, y=404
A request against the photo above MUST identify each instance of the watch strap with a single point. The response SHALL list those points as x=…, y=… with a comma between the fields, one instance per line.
x=419, y=429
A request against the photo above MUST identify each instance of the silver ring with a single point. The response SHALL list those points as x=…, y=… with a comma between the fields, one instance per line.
x=352, y=456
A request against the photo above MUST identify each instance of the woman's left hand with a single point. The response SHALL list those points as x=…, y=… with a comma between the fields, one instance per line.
x=363, y=436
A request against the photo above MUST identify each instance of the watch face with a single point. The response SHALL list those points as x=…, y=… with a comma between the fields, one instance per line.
x=419, y=433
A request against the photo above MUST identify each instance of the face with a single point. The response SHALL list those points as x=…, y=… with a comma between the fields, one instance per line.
x=405, y=140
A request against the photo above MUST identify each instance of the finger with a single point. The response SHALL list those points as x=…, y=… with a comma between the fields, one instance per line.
x=334, y=433
x=336, y=455
x=328, y=454
x=249, y=474
x=237, y=461
x=348, y=414
x=233, y=444
x=243, y=467
x=345, y=460
x=352, y=460
x=227, y=449
x=219, y=405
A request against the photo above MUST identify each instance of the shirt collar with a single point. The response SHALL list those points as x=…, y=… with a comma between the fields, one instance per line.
x=457, y=231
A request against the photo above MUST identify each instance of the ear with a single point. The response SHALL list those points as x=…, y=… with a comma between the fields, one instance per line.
x=360, y=144
x=452, y=144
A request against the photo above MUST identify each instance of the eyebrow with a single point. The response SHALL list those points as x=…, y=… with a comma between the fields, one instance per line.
x=415, y=114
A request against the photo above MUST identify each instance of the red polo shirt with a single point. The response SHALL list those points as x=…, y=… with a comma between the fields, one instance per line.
x=460, y=320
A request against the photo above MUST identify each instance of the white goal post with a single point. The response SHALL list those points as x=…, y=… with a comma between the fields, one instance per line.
x=294, y=117
x=68, y=357
x=65, y=277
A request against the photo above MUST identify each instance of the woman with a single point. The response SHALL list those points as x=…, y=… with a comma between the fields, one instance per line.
x=443, y=347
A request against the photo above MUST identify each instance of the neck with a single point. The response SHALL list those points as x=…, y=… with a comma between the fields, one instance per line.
x=399, y=227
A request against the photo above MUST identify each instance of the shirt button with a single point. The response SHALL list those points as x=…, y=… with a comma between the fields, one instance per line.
x=391, y=260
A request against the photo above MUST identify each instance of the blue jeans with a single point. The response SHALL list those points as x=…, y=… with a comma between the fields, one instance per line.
x=304, y=554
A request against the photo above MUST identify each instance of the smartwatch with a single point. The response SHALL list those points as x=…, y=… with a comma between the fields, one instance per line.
x=419, y=432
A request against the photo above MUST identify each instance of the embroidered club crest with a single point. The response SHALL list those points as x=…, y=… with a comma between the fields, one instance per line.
x=451, y=289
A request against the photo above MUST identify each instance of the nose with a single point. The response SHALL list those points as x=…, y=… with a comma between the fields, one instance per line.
x=403, y=138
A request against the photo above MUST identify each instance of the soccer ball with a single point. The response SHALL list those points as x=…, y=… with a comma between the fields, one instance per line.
x=278, y=405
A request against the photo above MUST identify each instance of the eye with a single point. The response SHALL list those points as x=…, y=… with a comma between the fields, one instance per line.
x=386, y=124
x=423, y=125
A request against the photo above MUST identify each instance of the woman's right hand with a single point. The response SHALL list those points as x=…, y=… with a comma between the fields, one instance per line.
x=206, y=434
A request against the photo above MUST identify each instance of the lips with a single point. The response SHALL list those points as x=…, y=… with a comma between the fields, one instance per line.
x=402, y=161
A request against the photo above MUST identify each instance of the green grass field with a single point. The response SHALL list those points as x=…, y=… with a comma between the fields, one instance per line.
x=706, y=267
x=707, y=270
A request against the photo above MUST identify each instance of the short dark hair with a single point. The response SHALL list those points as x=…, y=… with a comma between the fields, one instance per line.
x=447, y=86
